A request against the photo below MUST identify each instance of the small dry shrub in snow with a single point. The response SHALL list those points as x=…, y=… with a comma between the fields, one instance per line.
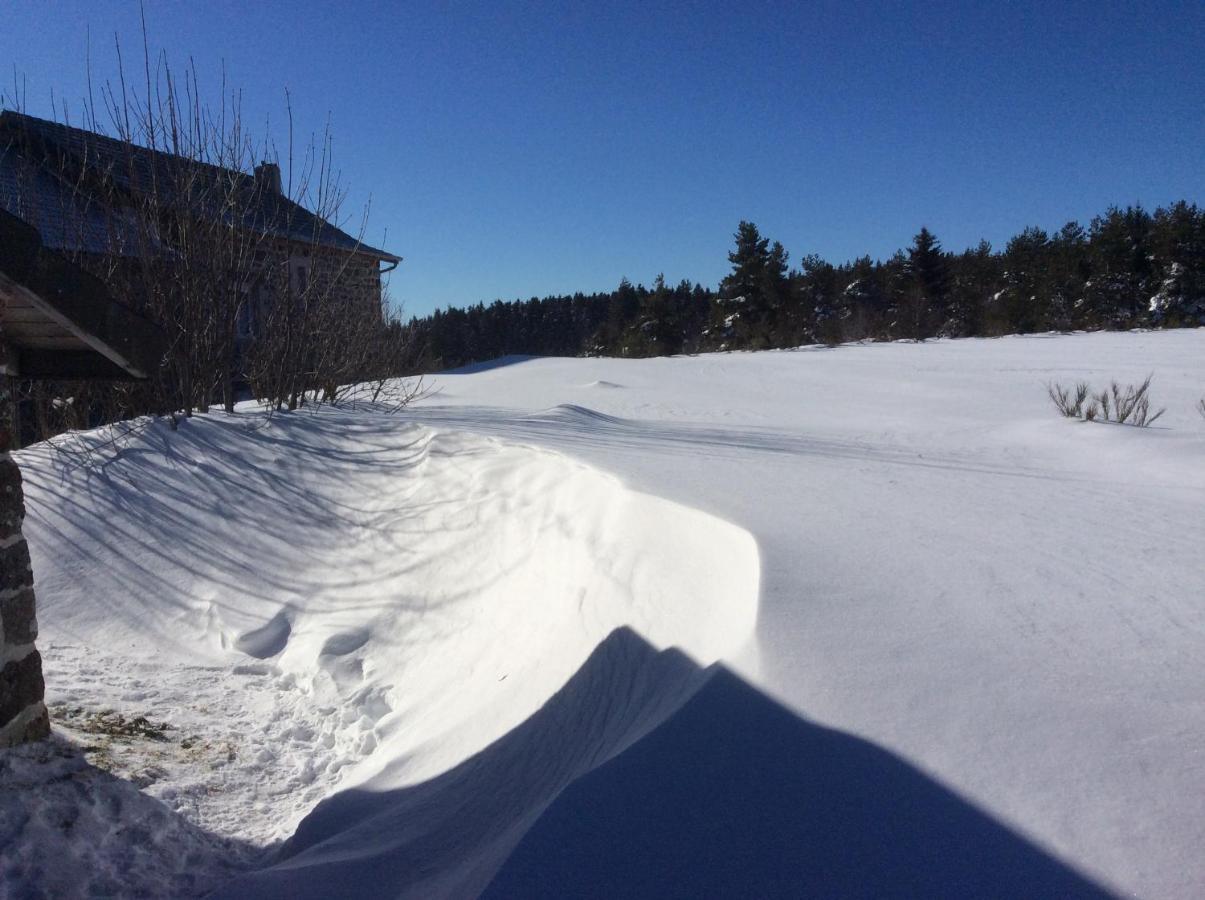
x=1201, y=407
x=1071, y=406
x=1130, y=405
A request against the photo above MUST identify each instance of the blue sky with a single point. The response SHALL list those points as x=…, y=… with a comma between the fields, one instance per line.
x=511, y=150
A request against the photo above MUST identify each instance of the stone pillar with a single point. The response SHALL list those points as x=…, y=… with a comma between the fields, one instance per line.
x=22, y=710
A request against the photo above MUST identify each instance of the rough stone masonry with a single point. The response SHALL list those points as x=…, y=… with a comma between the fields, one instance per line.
x=22, y=710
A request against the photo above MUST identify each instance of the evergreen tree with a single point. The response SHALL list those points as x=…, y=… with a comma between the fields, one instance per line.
x=752, y=290
x=1026, y=294
x=776, y=298
x=1178, y=247
x=867, y=296
x=622, y=307
x=656, y=330
x=823, y=307
x=1118, y=291
x=972, y=283
x=1068, y=273
x=749, y=261
x=924, y=299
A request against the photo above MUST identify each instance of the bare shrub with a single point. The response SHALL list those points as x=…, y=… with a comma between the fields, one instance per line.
x=1133, y=405
x=1129, y=405
x=1201, y=407
x=1070, y=405
x=171, y=202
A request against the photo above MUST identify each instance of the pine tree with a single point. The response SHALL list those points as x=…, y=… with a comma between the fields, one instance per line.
x=867, y=297
x=823, y=304
x=1026, y=294
x=1118, y=292
x=622, y=307
x=656, y=330
x=745, y=310
x=972, y=283
x=1178, y=247
x=1068, y=272
x=925, y=299
x=776, y=298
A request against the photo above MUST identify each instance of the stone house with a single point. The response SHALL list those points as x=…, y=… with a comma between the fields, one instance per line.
x=88, y=195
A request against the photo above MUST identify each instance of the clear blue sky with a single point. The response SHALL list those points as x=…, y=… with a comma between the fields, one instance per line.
x=512, y=150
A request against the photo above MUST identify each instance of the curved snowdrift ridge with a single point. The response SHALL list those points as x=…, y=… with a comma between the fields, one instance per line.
x=344, y=603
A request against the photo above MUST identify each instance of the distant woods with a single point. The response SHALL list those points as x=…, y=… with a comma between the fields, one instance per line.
x=1129, y=268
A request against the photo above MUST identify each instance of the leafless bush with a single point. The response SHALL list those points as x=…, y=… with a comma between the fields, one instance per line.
x=387, y=395
x=1201, y=407
x=1129, y=405
x=247, y=290
x=1133, y=405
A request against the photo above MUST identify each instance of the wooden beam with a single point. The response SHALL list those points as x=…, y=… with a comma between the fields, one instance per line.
x=70, y=364
x=41, y=288
x=72, y=323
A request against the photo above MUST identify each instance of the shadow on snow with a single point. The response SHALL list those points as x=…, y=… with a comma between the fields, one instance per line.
x=727, y=794
x=68, y=828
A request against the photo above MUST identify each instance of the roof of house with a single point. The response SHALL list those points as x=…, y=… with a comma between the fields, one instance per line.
x=66, y=219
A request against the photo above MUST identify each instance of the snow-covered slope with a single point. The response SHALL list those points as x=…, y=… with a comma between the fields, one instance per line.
x=1010, y=601
x=976, y=663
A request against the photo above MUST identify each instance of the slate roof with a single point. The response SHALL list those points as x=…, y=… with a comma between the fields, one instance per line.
x=34, y=192
x=64, y=218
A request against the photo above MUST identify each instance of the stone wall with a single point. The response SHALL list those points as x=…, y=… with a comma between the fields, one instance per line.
x=351, y=281
x=22, y=710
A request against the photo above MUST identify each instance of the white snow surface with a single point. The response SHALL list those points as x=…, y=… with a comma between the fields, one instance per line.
x=327, y=601
x=393, y=640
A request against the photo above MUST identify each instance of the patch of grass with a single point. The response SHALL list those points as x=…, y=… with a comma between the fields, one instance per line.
x=111, y=723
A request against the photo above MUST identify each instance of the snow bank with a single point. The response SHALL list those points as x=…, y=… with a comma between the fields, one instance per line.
x=345, y=604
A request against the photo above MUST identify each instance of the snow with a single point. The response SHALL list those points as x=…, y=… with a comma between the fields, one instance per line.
x=334, y=602
x=961, y=638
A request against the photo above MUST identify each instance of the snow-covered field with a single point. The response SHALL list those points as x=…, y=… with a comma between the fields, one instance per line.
x=962, y=640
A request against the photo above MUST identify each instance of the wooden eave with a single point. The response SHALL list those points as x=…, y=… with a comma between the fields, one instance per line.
x=60, y=322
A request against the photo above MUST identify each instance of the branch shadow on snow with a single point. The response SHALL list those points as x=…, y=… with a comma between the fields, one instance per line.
x=283, y=492
x=647, y=776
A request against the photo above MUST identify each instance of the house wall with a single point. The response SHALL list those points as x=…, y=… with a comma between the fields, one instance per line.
x=352, y=280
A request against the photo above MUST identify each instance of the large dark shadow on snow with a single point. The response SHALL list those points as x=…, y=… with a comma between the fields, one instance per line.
x=732, y=795
x=736, y=796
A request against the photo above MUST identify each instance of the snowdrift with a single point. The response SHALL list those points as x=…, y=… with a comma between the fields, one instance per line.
x=359, y=626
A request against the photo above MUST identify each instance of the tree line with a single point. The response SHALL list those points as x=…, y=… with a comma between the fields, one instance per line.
x=1129, y=268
